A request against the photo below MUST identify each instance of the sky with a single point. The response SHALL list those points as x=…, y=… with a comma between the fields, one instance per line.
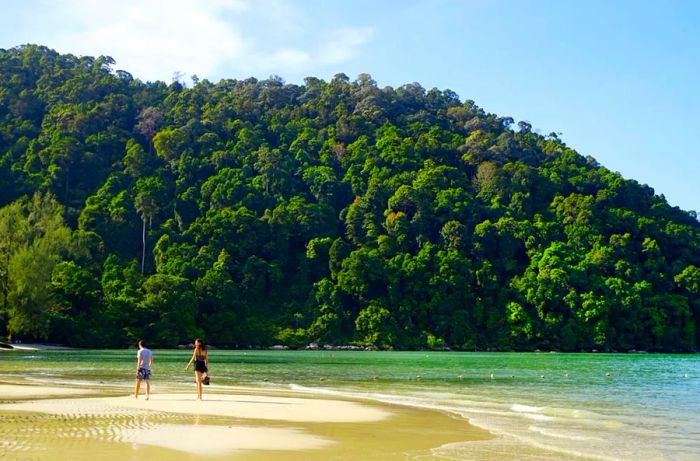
x=617, y=78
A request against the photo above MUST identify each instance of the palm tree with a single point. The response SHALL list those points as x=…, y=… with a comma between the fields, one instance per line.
x=146, y=207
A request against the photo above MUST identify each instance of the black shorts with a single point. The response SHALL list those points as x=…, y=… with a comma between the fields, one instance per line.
x=200, y=366
x=143, y=374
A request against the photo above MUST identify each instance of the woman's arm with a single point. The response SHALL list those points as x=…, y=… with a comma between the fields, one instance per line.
x=206, y=358
x=190, y=362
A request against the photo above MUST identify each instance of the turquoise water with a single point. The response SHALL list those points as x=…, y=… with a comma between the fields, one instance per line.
x=538, y=405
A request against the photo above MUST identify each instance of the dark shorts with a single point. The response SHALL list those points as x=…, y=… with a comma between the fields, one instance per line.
x=143, y=374
x=200, y=366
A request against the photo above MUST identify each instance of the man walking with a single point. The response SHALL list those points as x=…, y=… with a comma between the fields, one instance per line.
x=144, y=361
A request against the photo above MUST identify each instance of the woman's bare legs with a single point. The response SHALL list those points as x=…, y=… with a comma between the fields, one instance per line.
x=198, y=380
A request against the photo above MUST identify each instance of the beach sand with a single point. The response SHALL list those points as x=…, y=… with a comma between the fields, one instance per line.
x=211, y=440
x=248, y=425
x=231, y=405
x=14, y=391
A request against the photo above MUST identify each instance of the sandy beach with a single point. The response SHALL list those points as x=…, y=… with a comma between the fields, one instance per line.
x=246, y=425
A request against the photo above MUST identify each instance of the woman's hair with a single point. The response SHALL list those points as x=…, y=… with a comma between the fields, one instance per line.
x=202, y=346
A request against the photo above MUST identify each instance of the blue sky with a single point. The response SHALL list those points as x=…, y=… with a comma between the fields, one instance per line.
x=619, y=79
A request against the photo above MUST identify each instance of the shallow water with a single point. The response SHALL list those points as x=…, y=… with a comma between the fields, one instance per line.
x=538, y=406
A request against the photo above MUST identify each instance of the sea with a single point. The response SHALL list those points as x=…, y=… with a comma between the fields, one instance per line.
x=537, y=406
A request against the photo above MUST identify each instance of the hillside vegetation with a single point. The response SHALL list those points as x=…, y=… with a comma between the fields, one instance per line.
x=254, y=212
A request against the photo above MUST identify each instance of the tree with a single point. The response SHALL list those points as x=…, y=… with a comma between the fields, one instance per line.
x=166, y=313
x=150, y=195
x=149, y=122
x=14, y=231
x=29, y=299
x=36, y=239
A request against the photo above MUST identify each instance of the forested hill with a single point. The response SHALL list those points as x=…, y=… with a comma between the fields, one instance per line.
x=257, y=212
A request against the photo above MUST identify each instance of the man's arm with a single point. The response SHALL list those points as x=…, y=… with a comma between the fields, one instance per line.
x=138, y=360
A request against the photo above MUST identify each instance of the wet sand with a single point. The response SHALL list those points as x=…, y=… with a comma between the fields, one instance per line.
x=256, y=426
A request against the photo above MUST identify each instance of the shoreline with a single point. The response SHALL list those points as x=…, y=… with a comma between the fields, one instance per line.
x=33, y=347
x=7, y=347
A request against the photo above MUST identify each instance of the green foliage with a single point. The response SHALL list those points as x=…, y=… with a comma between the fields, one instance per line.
x=34, y=240
x=167, y=311
x=258, y=212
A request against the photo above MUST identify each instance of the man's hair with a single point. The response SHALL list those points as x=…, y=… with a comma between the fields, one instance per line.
x=142, y=343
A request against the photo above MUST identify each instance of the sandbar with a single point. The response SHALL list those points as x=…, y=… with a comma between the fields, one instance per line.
x=266, y=425
x=241, y=406
x=28, y=391
x=210, y=440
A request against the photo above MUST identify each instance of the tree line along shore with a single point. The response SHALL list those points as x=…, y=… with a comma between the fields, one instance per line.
x=4, y=346
x=257, y=212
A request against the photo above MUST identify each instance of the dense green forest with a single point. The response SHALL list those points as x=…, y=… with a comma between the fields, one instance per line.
x=254, y=212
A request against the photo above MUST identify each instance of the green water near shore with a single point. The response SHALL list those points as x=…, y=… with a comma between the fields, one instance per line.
x=537, y=405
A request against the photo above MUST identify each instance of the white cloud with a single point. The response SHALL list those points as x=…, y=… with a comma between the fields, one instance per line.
x=153, y=39
x=344, y=44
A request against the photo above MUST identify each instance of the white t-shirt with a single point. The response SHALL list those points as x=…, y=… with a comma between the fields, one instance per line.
x=145, y=356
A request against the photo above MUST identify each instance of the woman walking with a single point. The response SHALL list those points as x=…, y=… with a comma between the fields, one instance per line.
x=201, y=360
